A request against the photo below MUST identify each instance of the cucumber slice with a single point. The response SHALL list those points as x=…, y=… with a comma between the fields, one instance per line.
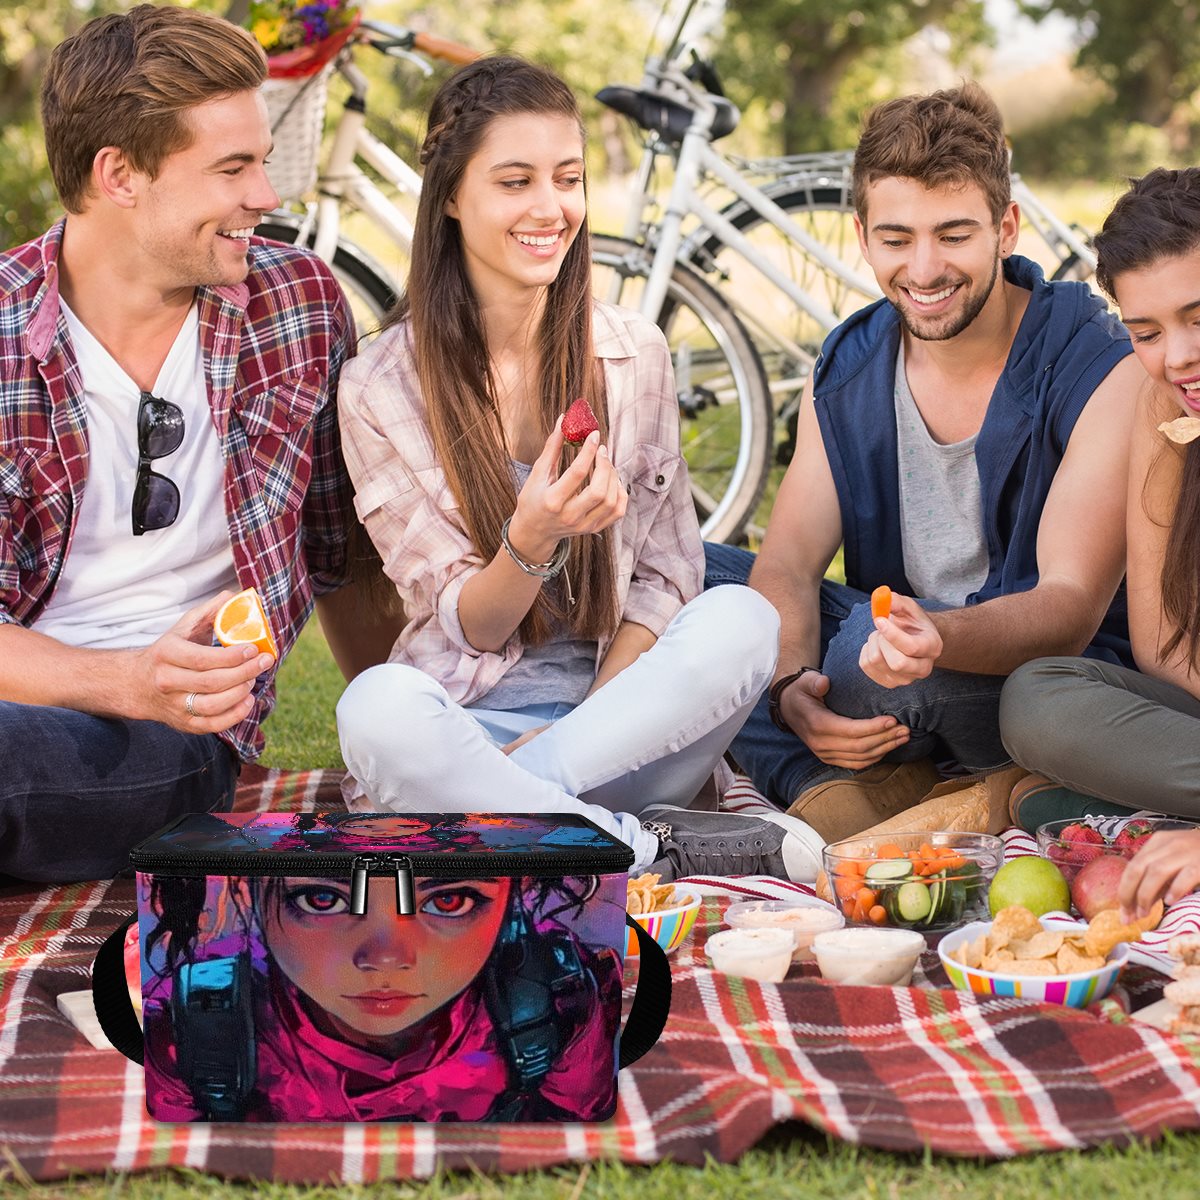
x=937, y=897
x=913, y=901
x=888, y=870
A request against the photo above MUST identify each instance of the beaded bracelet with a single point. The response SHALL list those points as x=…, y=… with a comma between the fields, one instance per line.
x=546, y=570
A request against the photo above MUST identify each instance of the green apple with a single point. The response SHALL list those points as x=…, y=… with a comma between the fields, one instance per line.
x=1031, y=881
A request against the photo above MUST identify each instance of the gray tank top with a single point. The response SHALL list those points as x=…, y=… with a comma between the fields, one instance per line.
x=559, y=671
x=941, y=518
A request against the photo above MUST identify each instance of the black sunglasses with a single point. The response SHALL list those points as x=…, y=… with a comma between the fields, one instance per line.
x=160, y=432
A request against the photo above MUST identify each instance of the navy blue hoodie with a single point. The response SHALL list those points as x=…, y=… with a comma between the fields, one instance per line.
x=1065, y=346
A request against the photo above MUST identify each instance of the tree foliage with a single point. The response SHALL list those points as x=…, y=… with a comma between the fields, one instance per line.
x=799, y=53
x=1148, y=53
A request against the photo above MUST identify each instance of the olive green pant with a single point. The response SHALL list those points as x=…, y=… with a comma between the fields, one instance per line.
x=1106, y=731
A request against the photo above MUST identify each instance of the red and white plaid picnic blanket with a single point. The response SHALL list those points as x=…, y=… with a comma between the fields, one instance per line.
x=898, y=1068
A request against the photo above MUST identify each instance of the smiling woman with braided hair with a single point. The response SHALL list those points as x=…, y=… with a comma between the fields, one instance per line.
x=559, y=656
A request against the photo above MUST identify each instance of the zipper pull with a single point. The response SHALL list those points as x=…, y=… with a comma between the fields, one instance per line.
x=359, y=871
x=406, y=900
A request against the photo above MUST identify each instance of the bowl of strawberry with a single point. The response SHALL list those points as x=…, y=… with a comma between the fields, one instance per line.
x=1071, y=845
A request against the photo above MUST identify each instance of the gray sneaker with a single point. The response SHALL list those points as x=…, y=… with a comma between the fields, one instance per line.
x=724, y=843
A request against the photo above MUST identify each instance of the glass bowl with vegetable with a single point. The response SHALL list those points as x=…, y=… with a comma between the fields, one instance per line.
x=928, y=881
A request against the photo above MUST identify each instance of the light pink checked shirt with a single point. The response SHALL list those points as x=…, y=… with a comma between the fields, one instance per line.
x=403, y=498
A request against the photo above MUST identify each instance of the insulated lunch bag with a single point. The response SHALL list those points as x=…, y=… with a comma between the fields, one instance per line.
x=381, y=967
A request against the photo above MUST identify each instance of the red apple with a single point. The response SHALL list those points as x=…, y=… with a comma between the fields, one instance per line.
x=1095, y=887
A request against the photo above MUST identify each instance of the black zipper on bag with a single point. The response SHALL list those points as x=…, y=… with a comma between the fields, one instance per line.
x=405, y=867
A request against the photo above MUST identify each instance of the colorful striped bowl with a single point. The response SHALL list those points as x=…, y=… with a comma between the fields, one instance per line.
x=1075, y=991
x=668, y=927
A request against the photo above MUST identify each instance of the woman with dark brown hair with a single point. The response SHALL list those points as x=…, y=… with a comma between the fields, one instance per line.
x=559, y=654
x=1109, y=739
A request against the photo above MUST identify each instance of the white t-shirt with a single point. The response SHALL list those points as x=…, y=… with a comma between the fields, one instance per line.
x=117, y=590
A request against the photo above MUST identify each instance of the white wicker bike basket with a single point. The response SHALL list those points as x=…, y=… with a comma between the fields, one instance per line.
x=296, y=108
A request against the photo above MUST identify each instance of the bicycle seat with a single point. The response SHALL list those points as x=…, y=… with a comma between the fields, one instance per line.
x=668, y=118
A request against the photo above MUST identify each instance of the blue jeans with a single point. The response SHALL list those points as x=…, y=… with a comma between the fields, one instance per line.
x=77, y=791
x=953, y=717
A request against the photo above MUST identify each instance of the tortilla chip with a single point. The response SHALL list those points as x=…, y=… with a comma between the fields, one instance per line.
x=998, y=960
x=1105, y=932
x=1042, y=945
x=646, y=895
x=1030, y=966
x=1148, y=922
x=1014, y=924
x=1181, y=430
x=1070, y=962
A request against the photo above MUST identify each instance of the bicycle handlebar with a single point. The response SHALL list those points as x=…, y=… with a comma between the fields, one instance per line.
x=440, y=47
x=393, y=38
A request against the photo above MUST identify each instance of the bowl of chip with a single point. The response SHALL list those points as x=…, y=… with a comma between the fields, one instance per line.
x=1054, y=962
x=931, y=881
x=666, y=912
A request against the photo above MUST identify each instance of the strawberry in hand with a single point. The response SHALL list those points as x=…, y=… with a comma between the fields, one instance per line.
x=578, y=422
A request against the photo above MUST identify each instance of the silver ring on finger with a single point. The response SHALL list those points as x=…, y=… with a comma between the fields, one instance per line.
x=189, y=702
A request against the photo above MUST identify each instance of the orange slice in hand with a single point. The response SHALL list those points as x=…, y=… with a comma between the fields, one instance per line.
x=241, y=620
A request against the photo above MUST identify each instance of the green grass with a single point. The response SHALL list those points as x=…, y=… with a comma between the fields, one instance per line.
x=300, y=732
x=791, y=1162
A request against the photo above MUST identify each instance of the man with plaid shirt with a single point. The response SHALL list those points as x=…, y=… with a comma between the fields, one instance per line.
x=167, y=436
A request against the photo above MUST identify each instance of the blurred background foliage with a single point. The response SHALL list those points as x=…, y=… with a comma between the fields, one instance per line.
x=803, y=71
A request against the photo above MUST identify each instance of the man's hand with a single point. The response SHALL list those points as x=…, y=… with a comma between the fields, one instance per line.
x=1166, y=868
x=184, y=661
x=904, y=647
x=838, y=741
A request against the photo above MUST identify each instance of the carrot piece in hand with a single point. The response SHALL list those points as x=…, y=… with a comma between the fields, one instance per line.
x=881, y=601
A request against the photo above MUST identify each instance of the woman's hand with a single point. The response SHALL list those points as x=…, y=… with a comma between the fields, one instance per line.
x=586, y=498
x=1166, y=868
x=527, y=736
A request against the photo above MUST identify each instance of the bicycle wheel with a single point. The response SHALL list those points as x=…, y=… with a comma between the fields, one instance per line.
x=724, y=406
x=787, y=338
x=366, y=284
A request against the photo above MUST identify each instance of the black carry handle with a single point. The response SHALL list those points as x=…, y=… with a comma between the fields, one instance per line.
x=647, y=1016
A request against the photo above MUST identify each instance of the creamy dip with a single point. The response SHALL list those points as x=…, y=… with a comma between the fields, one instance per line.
x=762, y=954
x=882, y=957
x=804, y=922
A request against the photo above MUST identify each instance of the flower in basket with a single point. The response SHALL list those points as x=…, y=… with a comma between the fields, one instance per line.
x=285, y=25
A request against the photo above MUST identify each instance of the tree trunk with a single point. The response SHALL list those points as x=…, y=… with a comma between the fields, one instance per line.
x=810, y=93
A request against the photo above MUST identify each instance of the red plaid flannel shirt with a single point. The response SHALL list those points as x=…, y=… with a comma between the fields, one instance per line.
x=273, y=347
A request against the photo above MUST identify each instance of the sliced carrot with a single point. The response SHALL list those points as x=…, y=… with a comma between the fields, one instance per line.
x=846, y=870
x=865, y=896
x=859, y=913
x=954, y=863
x=878, y=914
x=848, y=908
x=925, y=850
x=846, y=889
x=944, y=851
x=881, y=601
x=890, y=850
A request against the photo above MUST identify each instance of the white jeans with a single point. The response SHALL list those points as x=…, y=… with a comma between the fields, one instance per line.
x=651, y=735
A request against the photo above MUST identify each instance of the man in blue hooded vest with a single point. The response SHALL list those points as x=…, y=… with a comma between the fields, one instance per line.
x=965, y=440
